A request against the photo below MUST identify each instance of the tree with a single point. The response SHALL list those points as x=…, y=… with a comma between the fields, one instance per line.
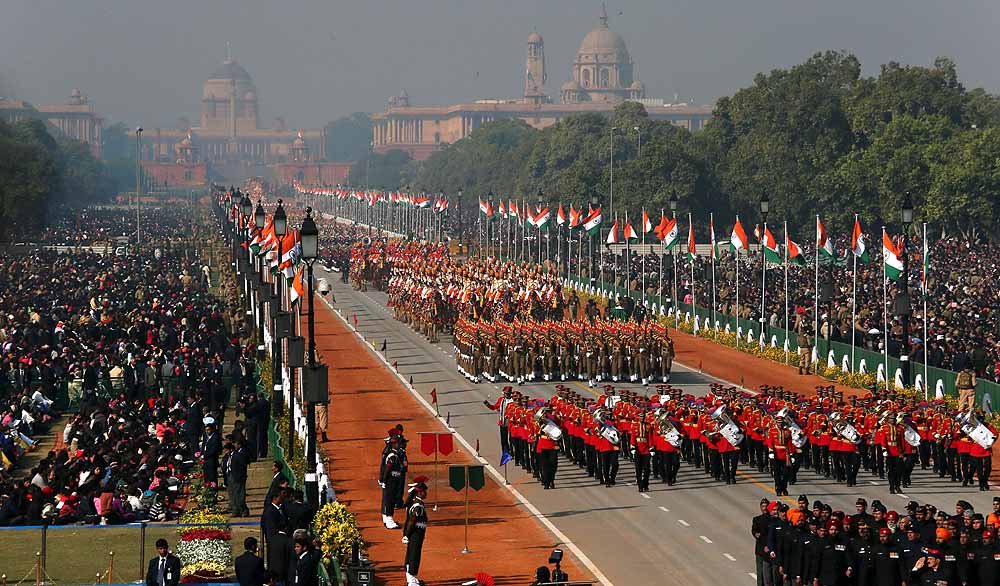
x=348, y=138
x=380, y=171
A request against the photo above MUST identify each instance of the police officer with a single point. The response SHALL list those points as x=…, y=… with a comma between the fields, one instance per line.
x=391, y=479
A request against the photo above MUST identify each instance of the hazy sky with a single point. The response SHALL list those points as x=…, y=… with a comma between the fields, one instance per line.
x=143, y=61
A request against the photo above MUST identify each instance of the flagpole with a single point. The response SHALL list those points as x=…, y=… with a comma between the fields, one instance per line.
x=786, y=345
x=763, y=282
x=885, y=317
x=816, y=293
x=854, y=302
x=628, y=259
x=691, y=255
x=673, y=257
x=926, y=289
x=711, y=222
x=659, y=284
x=736, y=311
x=642, y=255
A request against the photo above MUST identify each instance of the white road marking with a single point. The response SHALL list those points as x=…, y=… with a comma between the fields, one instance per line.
x=873, y=482
x=644, y=495
x=683, y=522
x=729, y=557
x=902, y=496
x=665, y=509
x=705, y=539
x=752, y=575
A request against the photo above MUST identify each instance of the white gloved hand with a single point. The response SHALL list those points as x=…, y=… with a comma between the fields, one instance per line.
x=885, y=454
x=405, y=540
x=770, y=456
x=382, y=484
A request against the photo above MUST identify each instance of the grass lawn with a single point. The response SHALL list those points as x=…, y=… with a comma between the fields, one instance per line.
x=77, y=555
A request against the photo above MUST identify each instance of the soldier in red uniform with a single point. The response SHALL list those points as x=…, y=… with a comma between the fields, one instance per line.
x=890, y=438
x=640, y=431
x=781, y=449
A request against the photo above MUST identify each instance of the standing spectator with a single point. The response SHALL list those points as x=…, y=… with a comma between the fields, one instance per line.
x=236, y=481
x=165, y=568
x=249, y=567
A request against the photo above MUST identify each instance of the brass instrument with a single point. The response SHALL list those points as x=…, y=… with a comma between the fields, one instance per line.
x=844, y=429
x=799, y=438
x=667, y=429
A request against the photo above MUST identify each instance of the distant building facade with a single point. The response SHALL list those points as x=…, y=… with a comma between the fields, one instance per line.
x=75, y=119
x=602, y=76
x=231, y=141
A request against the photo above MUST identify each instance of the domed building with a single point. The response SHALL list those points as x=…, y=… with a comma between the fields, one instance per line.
x=603, y=69
x=230, y=143
x=229, y=99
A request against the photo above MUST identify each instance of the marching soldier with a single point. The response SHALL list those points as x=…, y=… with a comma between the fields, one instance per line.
x=805, y=350
x=501, y=407
x=640, y=433
x=666, y=357
x=779, y=444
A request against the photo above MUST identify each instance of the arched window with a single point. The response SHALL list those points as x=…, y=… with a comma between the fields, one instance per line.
x=301, y=176
x=605, y=77
x=586, y=78
x=437, y=137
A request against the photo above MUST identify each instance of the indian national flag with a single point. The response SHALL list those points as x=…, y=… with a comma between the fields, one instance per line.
x=486, y=208
x=575, y=217
x=560, y=216
x=795, y=255
x=858, y=246
x=646, y=224
x=738, y=240
x=592, y=223
x=823, y=243
x=630, y=234
x=541, y=219
x=692, y=248
x=711, y=237
x=770, y=246
x=891, y=257
x=502, y=209
x=512, y=210
x=297, y=290
x=668, y=233
x=613, y=234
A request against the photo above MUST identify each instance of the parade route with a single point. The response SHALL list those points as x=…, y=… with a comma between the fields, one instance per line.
x=697, y=532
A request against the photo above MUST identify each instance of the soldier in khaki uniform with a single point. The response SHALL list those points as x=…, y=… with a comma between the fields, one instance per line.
x=805, y=351
x=666, y=357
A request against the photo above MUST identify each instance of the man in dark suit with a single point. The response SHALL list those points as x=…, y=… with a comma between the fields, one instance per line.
x=278, y=479
x=236, y=481
x=165, y=568
x=211, y=449
x=249, y=567
x=274, y=516
x=279, y=555
x=302, y=571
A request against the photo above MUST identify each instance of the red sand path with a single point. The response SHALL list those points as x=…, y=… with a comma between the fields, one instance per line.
x=366, y=399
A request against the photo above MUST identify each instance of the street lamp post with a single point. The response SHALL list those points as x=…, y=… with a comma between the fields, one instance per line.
x=280, y=222
x=309, y=235
x=638, y=133
x=138, y=185
x=765, y=207
x=903, y=296
x=540, y=197
x=259, y=219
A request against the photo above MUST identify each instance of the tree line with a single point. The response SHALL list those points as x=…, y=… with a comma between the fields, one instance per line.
x=816, y=138
x=39, y=172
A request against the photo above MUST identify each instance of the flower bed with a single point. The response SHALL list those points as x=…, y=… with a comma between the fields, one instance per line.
x=337, y=529
x=205, y=550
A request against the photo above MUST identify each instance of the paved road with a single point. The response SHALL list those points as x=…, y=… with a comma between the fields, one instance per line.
x=696, y=532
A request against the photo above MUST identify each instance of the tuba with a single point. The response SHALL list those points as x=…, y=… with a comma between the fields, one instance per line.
x=606, y=429
x=844, y=429
x=910, y=435
x=799, y=438
x=977, y=432
x=727, y=427
x=548, y=427
x=667, y=429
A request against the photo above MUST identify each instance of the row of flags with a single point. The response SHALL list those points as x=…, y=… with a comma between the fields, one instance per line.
x=666, y=232
x=261, y=242
x=374, y=197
